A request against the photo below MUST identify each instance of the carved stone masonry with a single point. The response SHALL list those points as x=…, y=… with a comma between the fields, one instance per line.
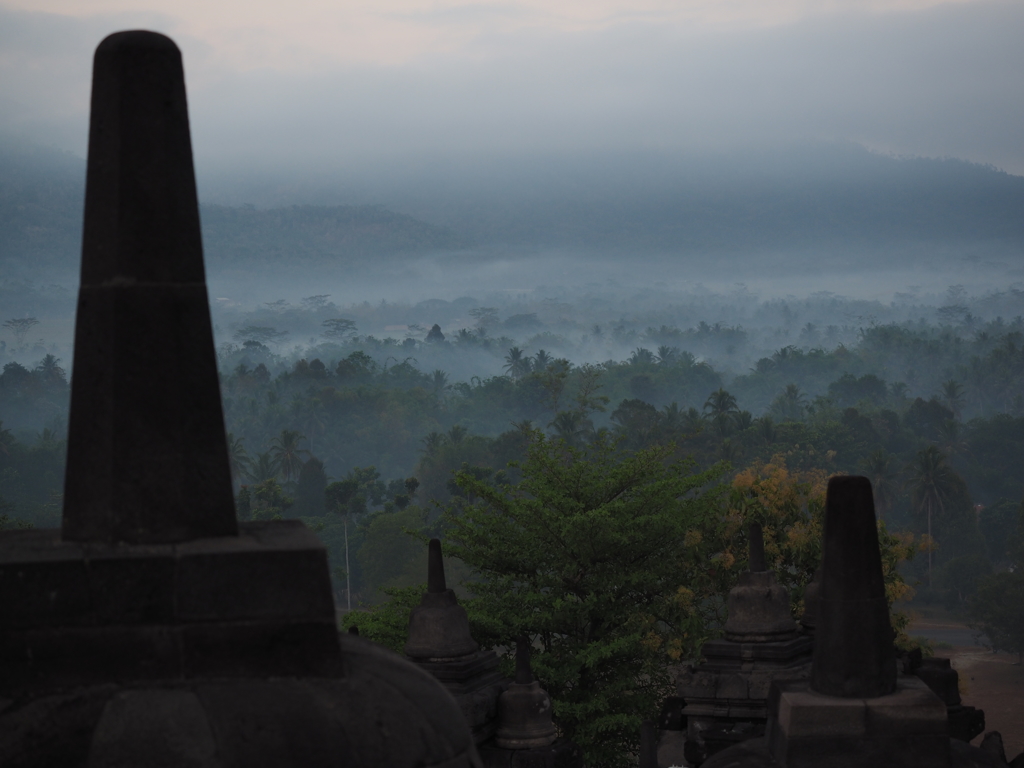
x=726, y=696
x=855, y=711
x=440, y=643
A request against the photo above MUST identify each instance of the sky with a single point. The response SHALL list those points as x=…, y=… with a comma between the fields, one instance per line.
x=331, y=84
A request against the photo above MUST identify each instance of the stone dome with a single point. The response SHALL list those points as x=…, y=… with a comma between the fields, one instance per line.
x=380, y=711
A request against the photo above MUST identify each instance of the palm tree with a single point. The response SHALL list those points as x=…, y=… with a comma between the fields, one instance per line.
x=287, y=453
x=783, y=354
x=722, y=409
x=432, y=442
x=515, y=364
x=743, y=420
x=932, y=482
x=952, y=439
x=49, y=368
x=720, y=403
x=439, y=383
x=765, y=429
x=693, y=420
x=667, y=355
x=878, y=467
x=238, y=458
x=541, y=360
x=790, y=404
x=671, y=417
x=953, y=392
x=264, y=468
x=456, y=434
x=641, y=356
x=571, y=426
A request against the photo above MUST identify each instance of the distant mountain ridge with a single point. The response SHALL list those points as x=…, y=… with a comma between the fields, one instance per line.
x=823, y=197
x=815, y=197
x=313, y=235
x=42, y=195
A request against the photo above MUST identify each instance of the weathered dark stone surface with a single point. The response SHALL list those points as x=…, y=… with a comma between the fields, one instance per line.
x=756, y=559
x=147, y=455
x=380, y=711
x=648, y=745
x=853, y=642
x=438, y=626
x=755, y=754
x=561, y=754
x=806, y=728
x=759, y=610
x=440, y=643
x=726, y=696
x=938, y=674
x=524, y=709
x=78, y=614
x=902, y=729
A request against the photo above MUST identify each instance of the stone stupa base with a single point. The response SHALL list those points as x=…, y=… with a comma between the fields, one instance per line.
x=905, y=729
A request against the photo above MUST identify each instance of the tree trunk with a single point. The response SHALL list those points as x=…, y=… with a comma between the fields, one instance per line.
x=930, y=544
x=348, y=577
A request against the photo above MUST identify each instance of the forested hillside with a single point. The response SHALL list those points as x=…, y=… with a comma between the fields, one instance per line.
x=832, y=198
x=376, y=412
x=42, y=194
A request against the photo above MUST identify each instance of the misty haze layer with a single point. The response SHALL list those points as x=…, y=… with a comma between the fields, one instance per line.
x=939, y=79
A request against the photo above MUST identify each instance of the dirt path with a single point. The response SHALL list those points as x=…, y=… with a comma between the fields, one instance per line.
x=990, y=681
x=994, y=683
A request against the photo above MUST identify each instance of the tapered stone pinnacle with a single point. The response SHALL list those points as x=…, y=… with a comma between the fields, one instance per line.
x=756, y=560
x=147, y=455
x=435, y=568
x=524, y=675
x=853, y=645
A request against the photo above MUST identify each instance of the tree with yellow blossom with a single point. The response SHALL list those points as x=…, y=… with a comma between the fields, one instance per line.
x=790, y=506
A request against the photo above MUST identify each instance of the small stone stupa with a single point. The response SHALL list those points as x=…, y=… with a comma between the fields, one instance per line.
x=526, y=736
x=152, y=629
x=855, y=711
x=524, y=709
x=511, y=721
x=440, y=643
x=726, y=696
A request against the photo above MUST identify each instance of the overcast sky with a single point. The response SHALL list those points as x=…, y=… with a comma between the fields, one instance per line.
x=330, y=83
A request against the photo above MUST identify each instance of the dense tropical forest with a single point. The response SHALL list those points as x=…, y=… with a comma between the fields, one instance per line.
x=647, y=439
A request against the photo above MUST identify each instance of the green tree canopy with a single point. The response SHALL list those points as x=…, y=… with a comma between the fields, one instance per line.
x=600, y=559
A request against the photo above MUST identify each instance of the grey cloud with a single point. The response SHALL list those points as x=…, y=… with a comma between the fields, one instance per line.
x=941, y=82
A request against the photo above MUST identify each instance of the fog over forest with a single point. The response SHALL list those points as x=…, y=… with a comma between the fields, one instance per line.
x=646, y=275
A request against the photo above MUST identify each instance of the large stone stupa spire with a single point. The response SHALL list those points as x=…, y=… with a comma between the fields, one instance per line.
x=147, y=455
x=854, y=655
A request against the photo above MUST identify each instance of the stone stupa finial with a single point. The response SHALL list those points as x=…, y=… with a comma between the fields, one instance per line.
x=147, y=455
x=853, y=644
x=435, y=568
x=756, y=559
x=758, y=605
x=438, y=626
x=524, y=710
